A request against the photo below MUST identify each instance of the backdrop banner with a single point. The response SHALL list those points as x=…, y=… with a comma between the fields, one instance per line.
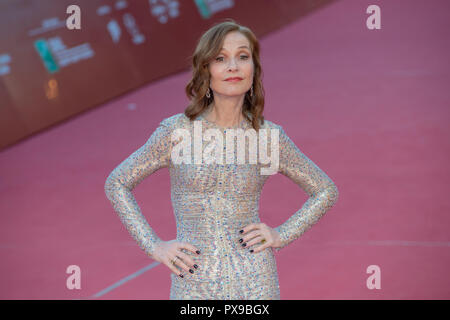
x=51, y=70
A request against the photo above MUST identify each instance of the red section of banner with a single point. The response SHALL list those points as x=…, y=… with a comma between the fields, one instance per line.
x=49, y=72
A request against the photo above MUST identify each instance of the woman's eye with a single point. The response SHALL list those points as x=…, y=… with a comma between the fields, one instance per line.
x=242, y=57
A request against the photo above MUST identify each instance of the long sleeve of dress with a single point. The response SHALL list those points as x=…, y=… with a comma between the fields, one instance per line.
x=153, y=155
x=322, y=192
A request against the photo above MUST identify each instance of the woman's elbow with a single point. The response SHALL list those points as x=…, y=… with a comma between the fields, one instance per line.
x=332, y=193
x=111, y=184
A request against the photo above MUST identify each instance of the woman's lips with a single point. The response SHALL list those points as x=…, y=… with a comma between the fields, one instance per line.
x=234, y=79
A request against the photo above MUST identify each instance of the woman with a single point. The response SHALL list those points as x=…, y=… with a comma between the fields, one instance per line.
x=222, y=249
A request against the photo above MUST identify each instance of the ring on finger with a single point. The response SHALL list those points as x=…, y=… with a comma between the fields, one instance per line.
x=173, y=261
x=263, y=240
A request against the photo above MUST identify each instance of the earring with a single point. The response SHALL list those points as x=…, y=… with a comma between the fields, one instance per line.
x=208, y=95
x=251, y=92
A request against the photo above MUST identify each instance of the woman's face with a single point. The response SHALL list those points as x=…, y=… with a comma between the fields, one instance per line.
x=235, y=60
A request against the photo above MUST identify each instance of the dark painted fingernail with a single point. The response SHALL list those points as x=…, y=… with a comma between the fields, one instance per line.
x=181, y=275
x=251, y=250
x=195, y=266
x=191, y=271
x=240, y=240
x=241, y=231
x=244, y=244
x=198, y=252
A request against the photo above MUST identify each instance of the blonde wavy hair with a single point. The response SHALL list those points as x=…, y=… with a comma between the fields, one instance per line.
x=208, y=48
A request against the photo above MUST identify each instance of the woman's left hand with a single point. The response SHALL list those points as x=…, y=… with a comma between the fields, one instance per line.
x=255, y=232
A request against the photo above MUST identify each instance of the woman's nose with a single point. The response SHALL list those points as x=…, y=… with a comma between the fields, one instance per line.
x=232, y=64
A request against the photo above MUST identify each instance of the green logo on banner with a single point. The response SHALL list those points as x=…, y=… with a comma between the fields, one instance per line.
x=46, y=56
x=203, y=8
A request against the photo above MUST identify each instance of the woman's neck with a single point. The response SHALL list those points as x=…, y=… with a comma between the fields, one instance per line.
x=224, y=116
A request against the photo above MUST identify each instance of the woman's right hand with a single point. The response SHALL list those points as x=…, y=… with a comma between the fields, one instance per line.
x=166, y=251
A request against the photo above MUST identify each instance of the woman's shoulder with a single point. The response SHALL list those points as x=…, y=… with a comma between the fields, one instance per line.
x=177, y=120
x=268, y=124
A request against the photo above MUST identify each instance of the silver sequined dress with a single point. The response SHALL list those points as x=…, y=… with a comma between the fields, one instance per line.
x=211, y=203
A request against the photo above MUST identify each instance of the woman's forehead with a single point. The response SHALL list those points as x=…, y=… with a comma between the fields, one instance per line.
x=235, y=39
